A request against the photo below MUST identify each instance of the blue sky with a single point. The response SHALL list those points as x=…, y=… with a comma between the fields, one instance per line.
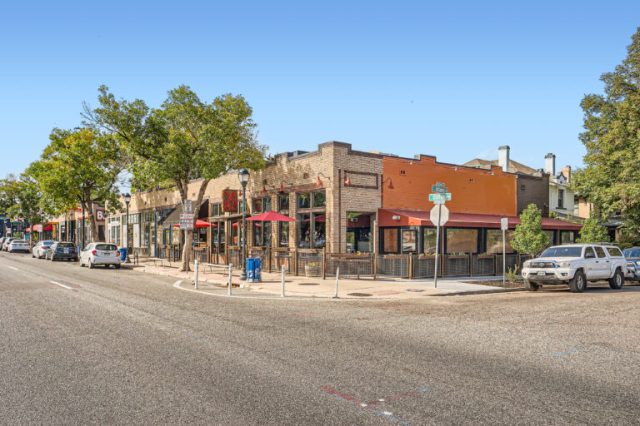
x=453, y=79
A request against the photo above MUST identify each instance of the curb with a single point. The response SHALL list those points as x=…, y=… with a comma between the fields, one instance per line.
x=475, y=292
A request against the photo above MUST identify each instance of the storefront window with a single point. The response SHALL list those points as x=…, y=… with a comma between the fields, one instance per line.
x=319, y=199
x=262, y=234
x=304, y=230
x=390, y=240
x=283, y=202
x=567, y=237
x=409, y=241
x=462, y=241
x=429, y=241
x=494, y=241
x=283, y=234
x=257, y=205
x=319, y=236
x=304, y=200
x=216, y=209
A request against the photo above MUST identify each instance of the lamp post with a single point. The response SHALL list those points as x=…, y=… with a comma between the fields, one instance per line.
x=83, y=227
x=127, y=200
x=243, y=175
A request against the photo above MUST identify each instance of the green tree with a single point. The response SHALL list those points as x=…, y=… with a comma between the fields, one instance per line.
x=611, y=176
x=29, y=201
x=8, y=193
x=529, y=238
x=183, y=140
x=593, y=232
x=79, y=168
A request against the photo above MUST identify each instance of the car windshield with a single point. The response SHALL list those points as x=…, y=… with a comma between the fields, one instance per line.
x=65, y=244
x=562, y=252
x=47, y=243
x=632, y=253
x=106, y=247
x=18, y=241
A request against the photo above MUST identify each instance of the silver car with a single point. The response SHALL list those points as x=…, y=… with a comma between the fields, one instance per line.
x=5, y=244
x=100, y=254
x=41, y=248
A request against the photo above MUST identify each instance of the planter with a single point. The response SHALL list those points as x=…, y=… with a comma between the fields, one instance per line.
x=312, y=270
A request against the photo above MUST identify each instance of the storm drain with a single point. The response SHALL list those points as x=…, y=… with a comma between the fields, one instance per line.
x=308, y=284
x=416, y=290
x=359, y=294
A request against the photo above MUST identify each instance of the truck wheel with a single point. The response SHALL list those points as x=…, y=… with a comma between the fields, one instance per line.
x=617, y=281
x=531, y=286
x=578, y=283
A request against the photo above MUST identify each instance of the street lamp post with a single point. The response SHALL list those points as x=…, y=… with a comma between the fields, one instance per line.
x=243, y=175
x=127, y=200
x=83, y=227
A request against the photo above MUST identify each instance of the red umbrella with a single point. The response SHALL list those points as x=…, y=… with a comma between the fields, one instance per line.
x=271, y=216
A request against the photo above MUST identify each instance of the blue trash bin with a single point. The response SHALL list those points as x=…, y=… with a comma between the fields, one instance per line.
x=250, y=265
x=123, y=254
x=257, y=270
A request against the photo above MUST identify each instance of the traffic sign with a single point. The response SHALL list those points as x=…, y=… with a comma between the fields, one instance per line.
x=187, y=206
x=504, y=224
x=439, y=187
x=439, y=215
x=440, y=198
x=186, y=221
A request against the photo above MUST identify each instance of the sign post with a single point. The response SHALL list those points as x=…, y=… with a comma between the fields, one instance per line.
x=504, y=225
x=439, y=216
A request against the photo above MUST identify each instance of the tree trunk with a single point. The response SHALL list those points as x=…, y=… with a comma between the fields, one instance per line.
x=93, y=225
x=187, y=248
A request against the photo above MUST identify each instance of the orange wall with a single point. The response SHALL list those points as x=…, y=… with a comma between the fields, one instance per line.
x=472, y=190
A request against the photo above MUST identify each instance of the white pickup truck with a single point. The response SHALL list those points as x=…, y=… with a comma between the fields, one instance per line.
x=575, y=265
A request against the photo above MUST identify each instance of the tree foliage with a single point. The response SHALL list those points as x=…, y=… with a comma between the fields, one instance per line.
x=593, y=232
x=611, y=176
x=79, y=168
x=182, y=140
x=529, y=238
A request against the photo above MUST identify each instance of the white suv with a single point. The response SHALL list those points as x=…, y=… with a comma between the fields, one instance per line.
x=100, y=254
x=575, y=265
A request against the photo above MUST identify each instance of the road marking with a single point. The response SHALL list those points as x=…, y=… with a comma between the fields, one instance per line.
x=61, y=285
x=13, y=268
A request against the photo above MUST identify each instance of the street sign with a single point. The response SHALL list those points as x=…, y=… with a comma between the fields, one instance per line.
x=186, y=221
x=504, y=224
x=187, y=206
x=440, y=198
x=439, y=210
x=439, y=187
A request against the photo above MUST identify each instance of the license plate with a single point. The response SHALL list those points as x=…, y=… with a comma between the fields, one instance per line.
x=542, y=273
x=103, y=253
x=67, y=251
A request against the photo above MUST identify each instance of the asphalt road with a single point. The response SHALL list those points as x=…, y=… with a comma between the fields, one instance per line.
x=100, y=346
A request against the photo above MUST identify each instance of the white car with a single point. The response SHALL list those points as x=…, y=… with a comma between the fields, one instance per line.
x=18, y=245
x=96, y=254
x=5, y=244
x=41, y=248
x=575, y=265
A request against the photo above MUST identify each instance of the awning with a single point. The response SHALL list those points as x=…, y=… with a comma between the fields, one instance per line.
x=47, y=227
x=400, y=217
x=37, y=228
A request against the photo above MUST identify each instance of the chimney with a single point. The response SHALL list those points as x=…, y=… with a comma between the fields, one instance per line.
x=566, y=171
x=503, y=157
x=550, y=164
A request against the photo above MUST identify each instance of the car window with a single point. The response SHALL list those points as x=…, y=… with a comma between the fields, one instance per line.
x=561, y=251
x=632, y=253
x=614, y=252
x=600, y=252
x=18, y=241
x=589, y=253
x=110, y=247
x=65, y=245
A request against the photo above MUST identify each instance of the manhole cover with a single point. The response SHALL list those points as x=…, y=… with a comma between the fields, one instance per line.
x=416, y=290
x=308, y=284
x=358, y=294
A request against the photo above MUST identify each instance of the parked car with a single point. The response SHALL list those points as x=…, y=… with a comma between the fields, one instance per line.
x=633, y=262
x=575, y=265
x=6, y=242
x=18, y=246
x=100, y=254
x=62, y=250
x=41, y=248
x=2, y=241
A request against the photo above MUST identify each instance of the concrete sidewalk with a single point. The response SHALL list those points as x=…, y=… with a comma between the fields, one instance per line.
x=300, y=286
